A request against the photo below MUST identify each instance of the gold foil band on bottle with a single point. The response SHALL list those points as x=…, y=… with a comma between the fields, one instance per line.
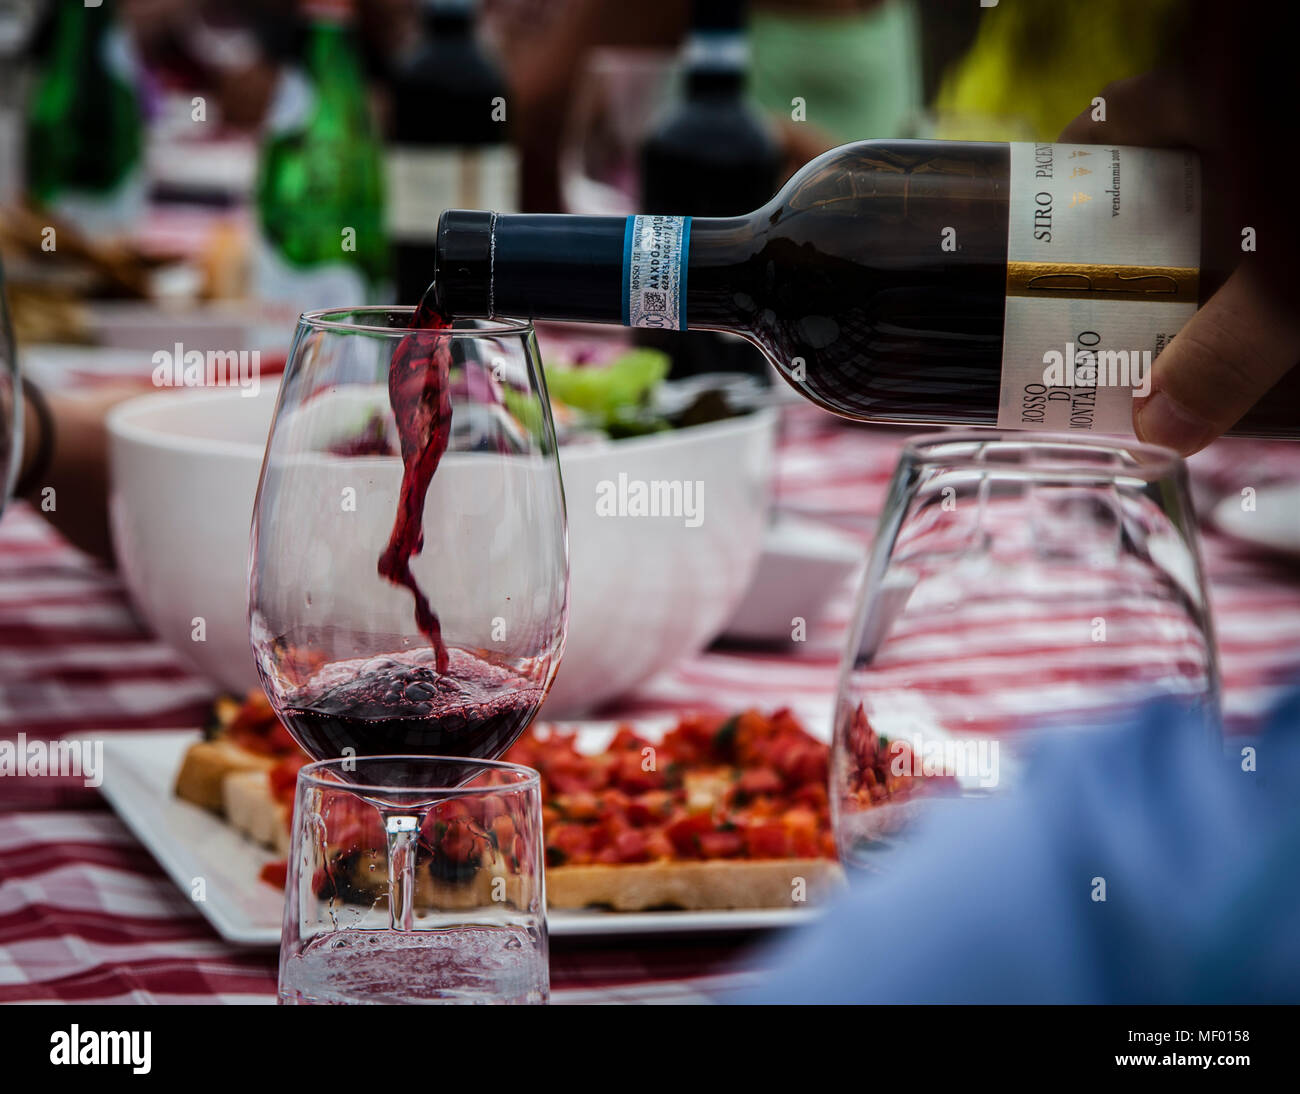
x=1173, y=284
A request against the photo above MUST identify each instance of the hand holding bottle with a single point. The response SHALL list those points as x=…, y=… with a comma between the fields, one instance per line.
x=1246, y=337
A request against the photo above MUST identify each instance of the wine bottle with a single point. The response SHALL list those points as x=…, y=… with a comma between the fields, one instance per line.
x=447, y=145
x=319, y=192
x=712, y=155
x=85, y=160
x=917, y=282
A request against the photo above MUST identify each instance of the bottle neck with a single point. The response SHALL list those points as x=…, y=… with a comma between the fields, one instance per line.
x=579, y=268
x=449, y=18
x=716, y=63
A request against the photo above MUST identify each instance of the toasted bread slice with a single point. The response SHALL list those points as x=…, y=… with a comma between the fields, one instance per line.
x=251, y=808
x=626, y=887
x=206, y=765
x=721, y=883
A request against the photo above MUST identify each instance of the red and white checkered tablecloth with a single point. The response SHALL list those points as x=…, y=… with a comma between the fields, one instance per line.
x=86, y=915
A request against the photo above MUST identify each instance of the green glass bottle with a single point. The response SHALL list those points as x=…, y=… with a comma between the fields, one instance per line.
x=85, y=142
x=320, y=188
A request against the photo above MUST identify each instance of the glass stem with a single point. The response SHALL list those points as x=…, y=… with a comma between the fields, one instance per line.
x=403, y=831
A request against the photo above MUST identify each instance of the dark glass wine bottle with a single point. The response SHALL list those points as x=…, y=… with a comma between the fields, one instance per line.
x=447, y=145
x=915, y=282
x=711, y=155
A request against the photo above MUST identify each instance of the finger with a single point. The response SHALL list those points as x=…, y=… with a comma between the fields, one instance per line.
x=1148, y=110
x=1227, y=356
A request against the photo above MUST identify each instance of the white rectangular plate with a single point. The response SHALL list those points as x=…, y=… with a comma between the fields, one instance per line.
x=191, y=843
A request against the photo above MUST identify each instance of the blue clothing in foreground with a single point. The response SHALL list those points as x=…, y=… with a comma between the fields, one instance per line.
x=994, y=901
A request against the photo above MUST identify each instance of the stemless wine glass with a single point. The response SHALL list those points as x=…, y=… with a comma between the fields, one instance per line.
x=1018, y=584
x=478, y=934
x=339, y=649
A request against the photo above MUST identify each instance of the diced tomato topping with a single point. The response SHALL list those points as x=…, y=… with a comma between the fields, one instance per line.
x=569, y=844
x=686, y=831
x=759, y=781
x=284, y=777
x=631, y=845
x=503, y=828
x=650, y=807
x=722, y=843
x=630, y=773
x=461, y=841
x=275, y=873
x=766, y=841
x=579, y=805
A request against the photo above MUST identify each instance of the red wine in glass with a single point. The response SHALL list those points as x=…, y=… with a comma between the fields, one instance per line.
x=419, y=389
x=403, y=705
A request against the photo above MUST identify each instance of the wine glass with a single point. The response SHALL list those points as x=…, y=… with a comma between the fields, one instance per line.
x=453, y=652
x=1019, y=584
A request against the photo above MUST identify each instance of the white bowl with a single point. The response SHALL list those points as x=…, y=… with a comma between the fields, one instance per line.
x=645, y=591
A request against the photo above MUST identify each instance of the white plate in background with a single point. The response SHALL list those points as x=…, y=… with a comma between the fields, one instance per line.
x=804, y=564
x=1274, y=523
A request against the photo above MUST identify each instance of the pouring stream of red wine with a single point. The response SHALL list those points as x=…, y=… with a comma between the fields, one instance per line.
x=419, y=389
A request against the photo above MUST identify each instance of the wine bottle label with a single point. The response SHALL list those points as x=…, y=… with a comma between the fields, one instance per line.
x=423, y=182
x=1103, y=255
x=655, y=249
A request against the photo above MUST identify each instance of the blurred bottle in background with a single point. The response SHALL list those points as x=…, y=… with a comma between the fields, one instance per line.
x=320, y=188
x=17, y=23
x=448, y=145
x=837, y=71
x=712, y=155
x=84, y=156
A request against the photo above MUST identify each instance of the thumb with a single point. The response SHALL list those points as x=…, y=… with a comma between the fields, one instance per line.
x=1221, y=363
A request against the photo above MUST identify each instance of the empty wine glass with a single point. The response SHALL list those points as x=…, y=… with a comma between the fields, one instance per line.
x=1019, y=583
x=452, y=653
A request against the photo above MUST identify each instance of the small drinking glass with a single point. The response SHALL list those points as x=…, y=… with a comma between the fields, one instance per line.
x=1018, y=583
x=475, y=915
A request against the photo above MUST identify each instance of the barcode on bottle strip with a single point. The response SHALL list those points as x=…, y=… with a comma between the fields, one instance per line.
x=654, y=261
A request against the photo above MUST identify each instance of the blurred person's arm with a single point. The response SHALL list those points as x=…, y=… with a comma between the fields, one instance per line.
x=542, y=64
x=1224, y=94
x=72, y=493
x=1141, y=865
